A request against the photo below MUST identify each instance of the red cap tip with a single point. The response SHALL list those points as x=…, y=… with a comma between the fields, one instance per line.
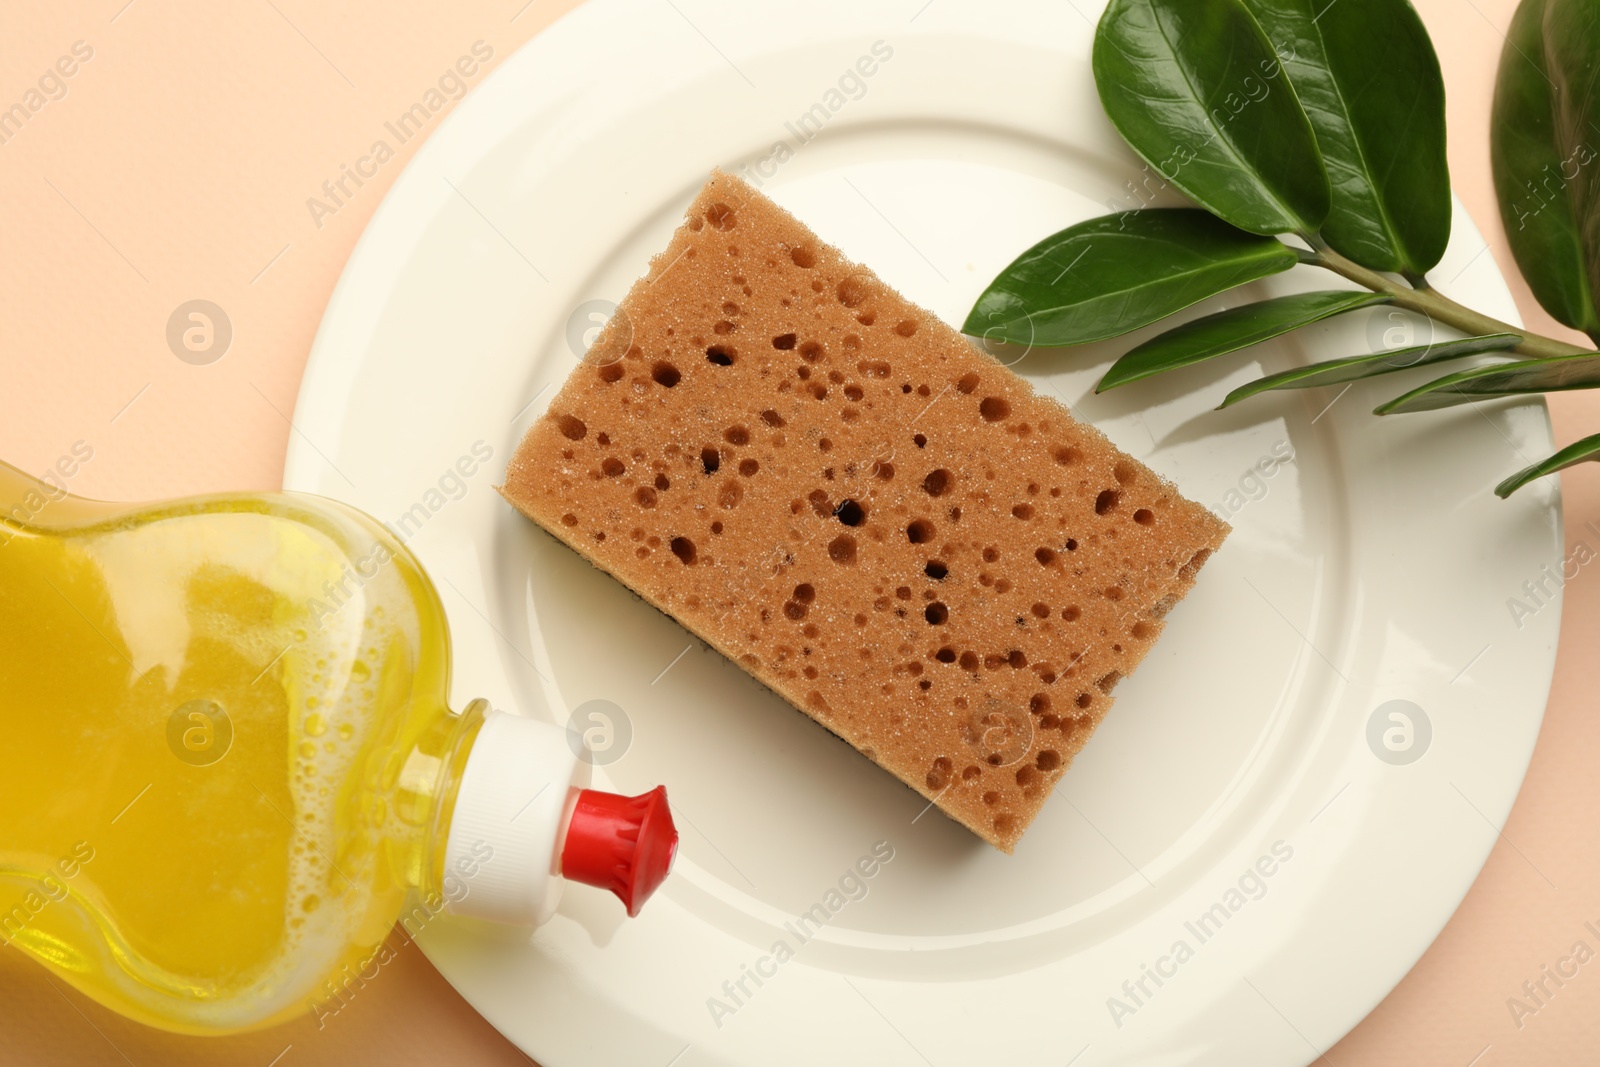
x=624, y=844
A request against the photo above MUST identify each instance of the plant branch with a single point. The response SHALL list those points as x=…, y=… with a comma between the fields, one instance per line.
x=1435, y=305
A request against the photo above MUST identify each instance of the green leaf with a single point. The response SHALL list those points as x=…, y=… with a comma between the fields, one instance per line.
x=1572, y=53
x=1197, y=90
x=1534, y=162
x=1231, y=330
x=1369, y=81
x=1550, y=375
x=1338, y=371
x=1109, y=275
x=1571, y=456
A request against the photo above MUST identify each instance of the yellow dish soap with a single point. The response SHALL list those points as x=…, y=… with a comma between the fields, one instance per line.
x=229, y=758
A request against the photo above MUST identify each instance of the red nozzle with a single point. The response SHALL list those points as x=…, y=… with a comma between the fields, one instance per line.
x=624, y=844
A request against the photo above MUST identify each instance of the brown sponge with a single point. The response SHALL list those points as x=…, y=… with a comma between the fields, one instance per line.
x=844, y=496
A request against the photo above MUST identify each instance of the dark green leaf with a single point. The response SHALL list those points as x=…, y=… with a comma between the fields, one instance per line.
x=1369, y=81
x=1231, y=330
x=1572, y=54
x=1534, y=162
x=1572, y=455
x=1550, y=375
x=1338, y=371
x=1116, y=273
x=1198, y=91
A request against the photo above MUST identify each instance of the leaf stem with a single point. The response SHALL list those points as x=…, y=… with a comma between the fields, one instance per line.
x=1428, y=301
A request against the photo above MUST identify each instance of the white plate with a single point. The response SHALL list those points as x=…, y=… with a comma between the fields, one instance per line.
x=1375, y=566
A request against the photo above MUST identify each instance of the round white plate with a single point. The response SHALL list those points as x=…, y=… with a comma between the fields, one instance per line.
x=1250, y=853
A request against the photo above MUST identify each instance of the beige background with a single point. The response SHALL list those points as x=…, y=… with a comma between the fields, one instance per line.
x=178, y=165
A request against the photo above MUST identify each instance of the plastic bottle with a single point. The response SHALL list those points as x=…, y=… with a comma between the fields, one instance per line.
x=228, y=759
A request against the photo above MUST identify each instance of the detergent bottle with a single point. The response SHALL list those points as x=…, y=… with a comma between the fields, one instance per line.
x=229, y=765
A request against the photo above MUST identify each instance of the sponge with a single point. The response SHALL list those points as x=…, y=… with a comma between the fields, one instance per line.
x=870, y=515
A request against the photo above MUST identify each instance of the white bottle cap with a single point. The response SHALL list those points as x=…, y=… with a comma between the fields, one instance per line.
x=506, y=834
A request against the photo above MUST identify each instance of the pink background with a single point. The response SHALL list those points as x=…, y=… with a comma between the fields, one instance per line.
x=178, y=165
